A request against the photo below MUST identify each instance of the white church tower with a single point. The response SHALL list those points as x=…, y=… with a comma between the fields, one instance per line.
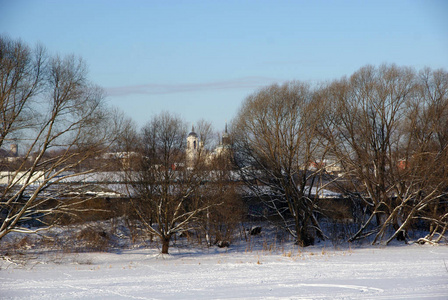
x=225, y=146
x=192, y=147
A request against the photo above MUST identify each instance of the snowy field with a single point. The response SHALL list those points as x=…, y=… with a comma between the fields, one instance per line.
x=393, y=272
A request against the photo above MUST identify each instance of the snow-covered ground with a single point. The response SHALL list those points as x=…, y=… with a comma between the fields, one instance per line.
x=393, y=272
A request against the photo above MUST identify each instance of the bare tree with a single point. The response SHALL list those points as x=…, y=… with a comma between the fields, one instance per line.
x=165, y=190
x=222, y=194
x=381, y=128
x=56, y=118
x=276, y=141
x=427, y=159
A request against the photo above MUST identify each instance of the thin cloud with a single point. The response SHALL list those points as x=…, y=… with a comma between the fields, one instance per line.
x=290, y=62
x=159, y=89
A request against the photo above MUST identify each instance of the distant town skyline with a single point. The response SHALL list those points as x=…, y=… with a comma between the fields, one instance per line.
x=200, y=59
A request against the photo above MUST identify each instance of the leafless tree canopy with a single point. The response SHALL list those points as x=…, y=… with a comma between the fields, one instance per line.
x=275, y=141
x=55, y=117
x=388, y=128
x=166, y=195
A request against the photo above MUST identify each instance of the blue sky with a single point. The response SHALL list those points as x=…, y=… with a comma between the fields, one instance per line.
x=200, y=59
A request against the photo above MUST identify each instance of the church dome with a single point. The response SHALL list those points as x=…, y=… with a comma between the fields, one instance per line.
x=192, y=133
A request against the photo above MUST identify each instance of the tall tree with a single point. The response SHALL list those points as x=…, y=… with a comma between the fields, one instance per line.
x=165, y=191
x=276, y=141
x=56, y=118
x=380, y=130
x=427, y=158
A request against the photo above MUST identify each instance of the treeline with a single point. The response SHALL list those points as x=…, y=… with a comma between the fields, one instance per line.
x=378, y=138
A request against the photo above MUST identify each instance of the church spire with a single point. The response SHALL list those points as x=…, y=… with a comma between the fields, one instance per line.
x=225, y=137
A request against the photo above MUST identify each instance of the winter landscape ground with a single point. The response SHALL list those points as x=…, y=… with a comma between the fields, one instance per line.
x=254, y=270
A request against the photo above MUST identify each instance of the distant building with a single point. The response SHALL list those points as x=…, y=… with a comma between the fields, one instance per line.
x=192, y=151
x=12, y=152
x=195, y=146
x=331, y=166
x=225, y=146
x=21, y=178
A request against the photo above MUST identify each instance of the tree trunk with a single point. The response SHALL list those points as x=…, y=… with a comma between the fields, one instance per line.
x=165, y=244
x=400, y=231
x=433, y=226
x=304, y=238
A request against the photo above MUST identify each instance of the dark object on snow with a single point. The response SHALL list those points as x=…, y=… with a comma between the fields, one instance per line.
x=222, y=244
x=307, y=241
x=255, y=230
